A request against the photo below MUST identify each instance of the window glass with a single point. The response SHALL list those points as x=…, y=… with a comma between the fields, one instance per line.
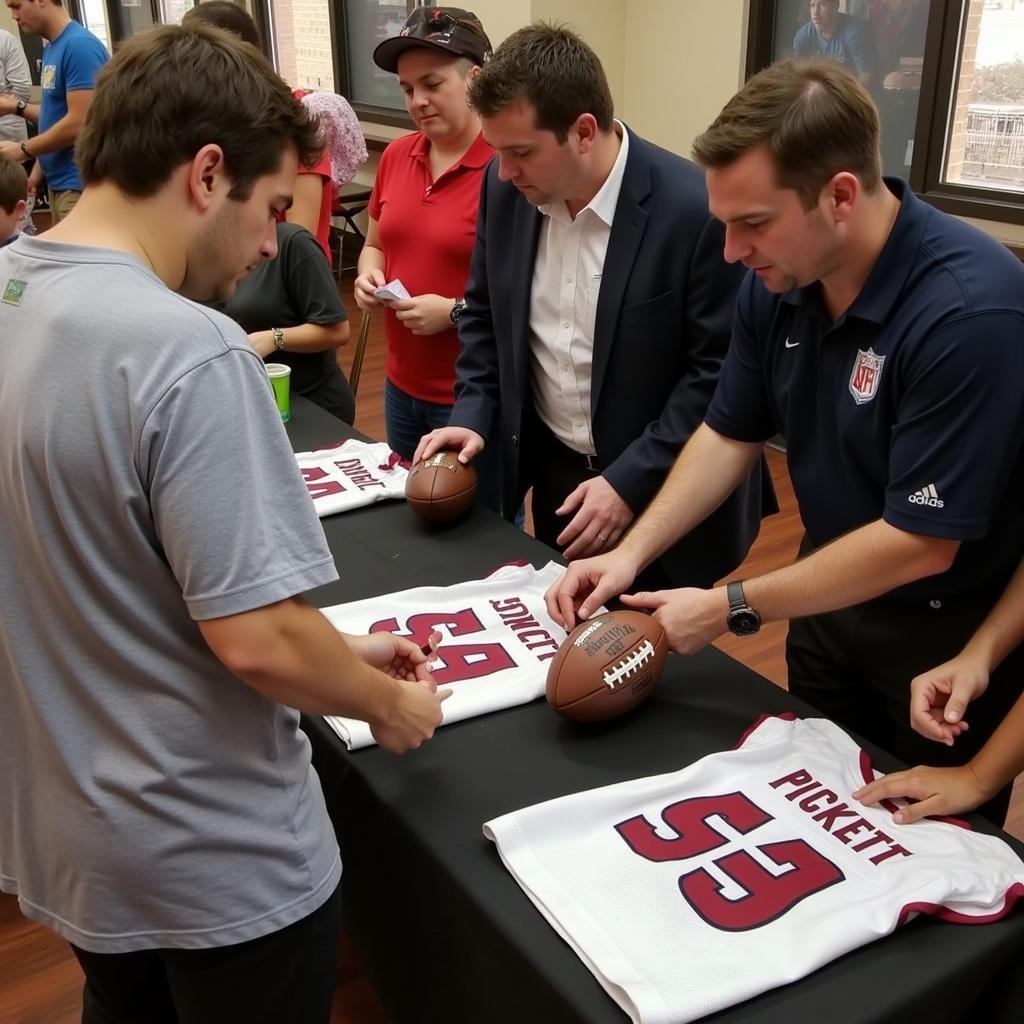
x=302, y=33
x=985, y=140
x=881, y=41
x=367, y=22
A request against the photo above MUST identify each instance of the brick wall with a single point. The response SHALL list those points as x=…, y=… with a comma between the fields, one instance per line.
x=304, y=43
x=964, y=93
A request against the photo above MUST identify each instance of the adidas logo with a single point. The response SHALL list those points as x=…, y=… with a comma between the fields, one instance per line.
x=926, y=496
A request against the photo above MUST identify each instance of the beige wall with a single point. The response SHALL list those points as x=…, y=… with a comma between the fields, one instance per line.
x=500, y=18
x=6, y=21
x=603, y=23
x=684, y=60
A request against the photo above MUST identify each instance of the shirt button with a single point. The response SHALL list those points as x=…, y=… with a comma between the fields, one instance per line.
x=578, y=424
x=934, y=603
x=568, y=278
x=515, y=440
x=565, y=323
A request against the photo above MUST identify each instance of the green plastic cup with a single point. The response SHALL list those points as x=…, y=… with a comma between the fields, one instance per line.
x=280, y=380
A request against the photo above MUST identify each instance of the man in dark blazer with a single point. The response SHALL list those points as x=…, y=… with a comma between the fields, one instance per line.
x=597, y=314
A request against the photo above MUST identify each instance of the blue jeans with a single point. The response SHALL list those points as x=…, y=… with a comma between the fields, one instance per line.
x=407, y=419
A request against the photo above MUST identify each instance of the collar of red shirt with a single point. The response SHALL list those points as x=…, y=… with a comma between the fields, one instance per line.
x=478, y=155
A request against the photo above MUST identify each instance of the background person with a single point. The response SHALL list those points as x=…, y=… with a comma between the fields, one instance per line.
x=15, y=87
x=13, y=198
x=316, y=185
x=290, y=308
x=422, y=216
x=830, y=33
x=71, y=60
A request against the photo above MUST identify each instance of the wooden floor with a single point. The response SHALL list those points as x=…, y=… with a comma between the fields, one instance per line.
x=40, y=982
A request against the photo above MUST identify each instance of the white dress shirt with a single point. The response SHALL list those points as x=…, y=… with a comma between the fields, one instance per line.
x=563, y=306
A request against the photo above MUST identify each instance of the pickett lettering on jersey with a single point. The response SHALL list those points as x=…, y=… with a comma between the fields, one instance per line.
x=825, y=807
x=528, y=630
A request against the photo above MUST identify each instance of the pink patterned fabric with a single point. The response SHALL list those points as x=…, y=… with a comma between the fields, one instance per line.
x=345, y=141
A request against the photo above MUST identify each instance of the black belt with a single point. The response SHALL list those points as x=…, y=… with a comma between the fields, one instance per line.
x=562, y=451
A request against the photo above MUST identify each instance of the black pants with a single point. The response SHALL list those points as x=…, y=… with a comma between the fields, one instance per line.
x=557, y=472
x=855, y=666
x=286, y=977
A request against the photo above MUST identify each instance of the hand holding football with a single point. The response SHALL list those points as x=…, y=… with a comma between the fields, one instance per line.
x=441, y=489
x=607, y=666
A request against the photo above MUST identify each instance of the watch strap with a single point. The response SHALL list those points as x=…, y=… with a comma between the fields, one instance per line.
x=24, y=148
x=734, y=591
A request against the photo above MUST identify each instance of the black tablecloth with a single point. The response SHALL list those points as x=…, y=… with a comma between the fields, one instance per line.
x=446, y=934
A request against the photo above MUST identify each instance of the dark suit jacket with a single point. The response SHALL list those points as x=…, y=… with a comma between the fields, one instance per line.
x=664, y=315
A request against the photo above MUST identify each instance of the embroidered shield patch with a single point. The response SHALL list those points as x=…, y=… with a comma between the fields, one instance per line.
x=867, y=373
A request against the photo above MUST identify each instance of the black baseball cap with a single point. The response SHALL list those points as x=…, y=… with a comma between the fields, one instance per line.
x=448, y=29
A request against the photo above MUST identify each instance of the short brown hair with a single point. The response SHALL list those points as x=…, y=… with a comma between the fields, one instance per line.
x=812, y=116
x=551, y=68
x=228, y=16
x=13, y=183
x=173, y=89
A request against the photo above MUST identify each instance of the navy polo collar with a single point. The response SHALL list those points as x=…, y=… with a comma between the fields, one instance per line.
x=892, y=268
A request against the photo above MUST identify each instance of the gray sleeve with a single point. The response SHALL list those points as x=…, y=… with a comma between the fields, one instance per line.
x=229, y=506
x=14, y=73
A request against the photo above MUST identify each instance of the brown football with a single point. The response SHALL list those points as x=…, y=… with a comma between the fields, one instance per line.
x=606, y=666
x=441, y=489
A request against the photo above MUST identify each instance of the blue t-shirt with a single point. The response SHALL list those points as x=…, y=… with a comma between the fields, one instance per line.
x=852, y=44
x=70, y=63
x=908, y=407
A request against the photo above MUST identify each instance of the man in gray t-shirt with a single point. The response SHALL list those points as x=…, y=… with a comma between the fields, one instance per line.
x=157, y=803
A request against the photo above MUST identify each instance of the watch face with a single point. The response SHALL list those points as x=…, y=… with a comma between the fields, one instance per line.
x=744, y=622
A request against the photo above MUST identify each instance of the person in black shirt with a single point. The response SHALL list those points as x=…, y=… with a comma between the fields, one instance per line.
x=290, y=308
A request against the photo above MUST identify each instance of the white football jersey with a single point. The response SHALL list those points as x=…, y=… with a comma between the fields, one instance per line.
x=496, y=639
x=689, y=892
x=351, y=475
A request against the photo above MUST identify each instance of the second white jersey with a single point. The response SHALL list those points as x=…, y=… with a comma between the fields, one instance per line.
x=496, y=639
x=689, y=892
x=351, y=475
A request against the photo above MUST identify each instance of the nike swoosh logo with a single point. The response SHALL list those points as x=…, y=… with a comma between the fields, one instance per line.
x=791, y=344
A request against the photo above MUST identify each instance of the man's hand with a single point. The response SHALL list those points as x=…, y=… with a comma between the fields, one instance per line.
x=35, y=179
x=586, y=585
x=8, y=103
x=14, y=151
x=397, y=656
x=363, y=288
x=691, y=618
x=425, y=314
x=939, y=698
x=468, y=443
x=412, y=718
x=938, y=791
x=601, y=516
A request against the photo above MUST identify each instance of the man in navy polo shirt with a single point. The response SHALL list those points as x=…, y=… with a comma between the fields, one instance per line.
x=885, y=341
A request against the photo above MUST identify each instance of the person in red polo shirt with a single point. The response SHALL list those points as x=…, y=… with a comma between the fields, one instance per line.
x=422, y=216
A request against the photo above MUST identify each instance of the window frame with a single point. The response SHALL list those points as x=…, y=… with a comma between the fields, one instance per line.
x=938, y=82
x=392, y=116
